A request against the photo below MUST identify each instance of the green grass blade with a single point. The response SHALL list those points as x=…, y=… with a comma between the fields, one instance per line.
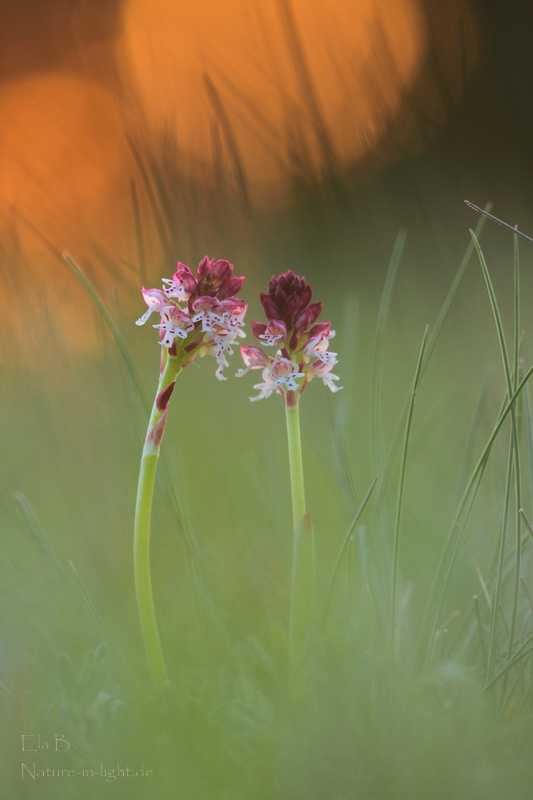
x=454, y=288
x=528, y=523
x=339, y=406
x=512, y=228
x=432, y=341
x=403, y=464
x=511, y=384
x=35, y=529
x=456, y=529
x=472, y=435
x=518, y=478
x=479, y=621
x=98, y=618
x=495, y=604
x=496, y=314
x=529, y=433
x=344, y=546
x=381, y=326
x=516, y=364
x=522, y=651
x=93, y=294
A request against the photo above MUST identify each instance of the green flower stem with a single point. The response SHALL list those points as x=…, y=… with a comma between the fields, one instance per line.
x=292, y=413
x=143, y=514
x=303, y=563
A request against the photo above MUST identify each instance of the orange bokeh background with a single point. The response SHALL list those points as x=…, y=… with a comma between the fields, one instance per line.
x=303, y=86
x=247, y=100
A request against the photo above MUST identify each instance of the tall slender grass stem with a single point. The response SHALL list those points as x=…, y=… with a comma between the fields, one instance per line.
x=347, y=539
x=455, y=532
x=495, y=603
x=384, y=306
x=431, y=344
x=397, y=526
x=511, y=383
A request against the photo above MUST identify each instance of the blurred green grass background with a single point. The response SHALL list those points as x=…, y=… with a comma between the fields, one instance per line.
x=357, y=726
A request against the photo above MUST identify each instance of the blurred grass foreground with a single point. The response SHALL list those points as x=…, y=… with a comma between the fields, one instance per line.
x=424, y=691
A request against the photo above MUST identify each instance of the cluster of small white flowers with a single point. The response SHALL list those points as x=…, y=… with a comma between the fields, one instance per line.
x=276, y=332
x=221, y=321
x=317, y=347
x=176, y=288
x=280, y=374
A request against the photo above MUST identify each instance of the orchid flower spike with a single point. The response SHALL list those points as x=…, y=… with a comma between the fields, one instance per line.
x=302, y=343
x=199, y=314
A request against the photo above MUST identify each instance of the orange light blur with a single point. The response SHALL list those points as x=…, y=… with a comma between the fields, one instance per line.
x=255, y=94
x=282, y=87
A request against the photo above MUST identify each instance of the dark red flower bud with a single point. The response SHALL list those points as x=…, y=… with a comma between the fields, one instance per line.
x=320, y=328
x=204, y=267
x=221, y=270
x=279, y=296
x=316, y=310
x=215, y=279
x=269, y=306
x=292, y=307
x=273, y=282
x=302, y=321
x=234, y=286
x=258, y=328
x=306, y=294
x=287, y=297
